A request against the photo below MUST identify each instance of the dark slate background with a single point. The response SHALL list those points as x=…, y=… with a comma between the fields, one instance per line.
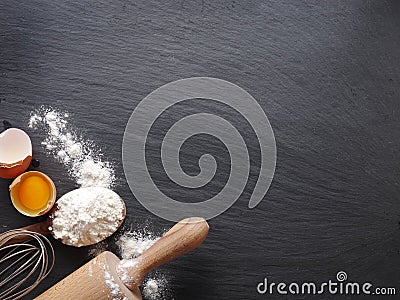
x=325, y=72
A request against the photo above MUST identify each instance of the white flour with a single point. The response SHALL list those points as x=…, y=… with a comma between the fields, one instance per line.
x=155, y=288
x=132, y=244
x=79, y=156
x=150, y=287
x=87, y=216
x=114, y=287
x=98, y=248
x=93, y=173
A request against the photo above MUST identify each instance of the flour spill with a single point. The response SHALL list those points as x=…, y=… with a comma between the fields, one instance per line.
x=114, y=287
x=155, y=288
x=134, y=243
x=81, y=157
x=97, y=249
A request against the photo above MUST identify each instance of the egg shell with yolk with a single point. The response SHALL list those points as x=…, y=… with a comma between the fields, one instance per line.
x=28, y=192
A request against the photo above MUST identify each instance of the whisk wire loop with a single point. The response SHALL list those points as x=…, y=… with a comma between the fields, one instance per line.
x=29, y=262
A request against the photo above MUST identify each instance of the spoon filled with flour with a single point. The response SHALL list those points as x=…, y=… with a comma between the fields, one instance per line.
x=87, y=216
x=83, y=217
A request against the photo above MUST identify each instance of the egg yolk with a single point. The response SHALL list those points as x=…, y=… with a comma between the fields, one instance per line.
x=34, y=192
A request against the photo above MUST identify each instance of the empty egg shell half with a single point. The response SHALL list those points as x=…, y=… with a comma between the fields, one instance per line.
x=27, y=196
x=15, y=152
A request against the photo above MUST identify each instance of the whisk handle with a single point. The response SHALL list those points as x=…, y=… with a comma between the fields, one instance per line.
x=42, y=228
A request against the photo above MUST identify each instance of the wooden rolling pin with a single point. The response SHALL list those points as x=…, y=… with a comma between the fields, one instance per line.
x=108, y=277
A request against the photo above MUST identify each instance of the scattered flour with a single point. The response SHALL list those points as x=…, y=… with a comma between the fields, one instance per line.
x=97, y=249
x=132, y=244
x=123, y=271
x=76, y=154
x=151, y=287
x=114, y=287
x=155, y=288
x=86, y=216
x=93, y=173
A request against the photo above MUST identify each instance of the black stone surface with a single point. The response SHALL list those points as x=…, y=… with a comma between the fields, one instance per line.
x=325, y=72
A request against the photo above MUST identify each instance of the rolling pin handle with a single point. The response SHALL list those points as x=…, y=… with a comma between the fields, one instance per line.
x=179, y=240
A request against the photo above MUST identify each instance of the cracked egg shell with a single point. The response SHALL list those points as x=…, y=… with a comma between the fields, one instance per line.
x=15, y=152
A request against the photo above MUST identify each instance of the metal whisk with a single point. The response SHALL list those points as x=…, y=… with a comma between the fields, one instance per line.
x=26, y=258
